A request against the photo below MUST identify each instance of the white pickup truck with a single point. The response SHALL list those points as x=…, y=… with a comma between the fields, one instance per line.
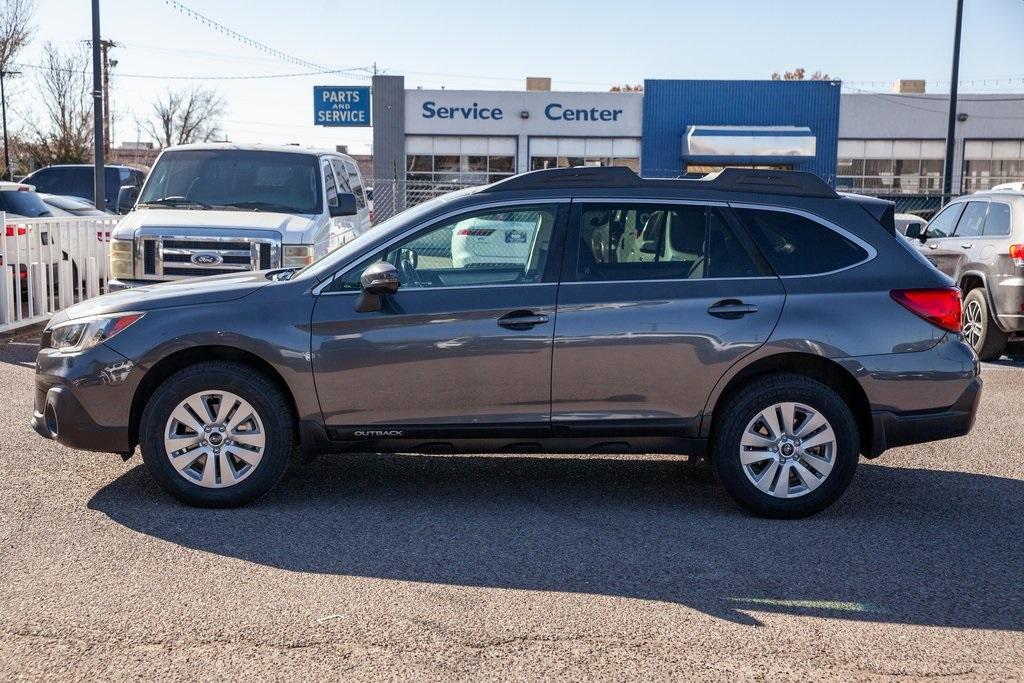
x=213, y=209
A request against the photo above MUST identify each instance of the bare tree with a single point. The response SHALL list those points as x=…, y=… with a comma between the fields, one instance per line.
x=800, y=74
x=65, y=136
x=186, y=116
x=626, y=88
x=15, y=29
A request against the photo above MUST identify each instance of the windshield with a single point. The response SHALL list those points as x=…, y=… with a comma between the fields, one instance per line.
x=27, y=204
x=235, y=179
x=381, y=232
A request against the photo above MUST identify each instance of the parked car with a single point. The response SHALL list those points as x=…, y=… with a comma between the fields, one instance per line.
x=23, y=243
x=792, y=331
x=70, y=206
x=221, y=208
x=500, y=239
x=76, y=180
x=978, y=240
x=908, y=222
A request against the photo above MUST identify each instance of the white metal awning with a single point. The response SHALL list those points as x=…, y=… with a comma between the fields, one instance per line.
x=749, y=141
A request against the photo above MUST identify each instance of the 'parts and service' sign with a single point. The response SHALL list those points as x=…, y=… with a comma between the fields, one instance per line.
x=341, y=105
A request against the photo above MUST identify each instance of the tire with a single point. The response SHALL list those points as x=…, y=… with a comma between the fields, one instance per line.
x=249, y=456
x=980, y=330
x=741, y=432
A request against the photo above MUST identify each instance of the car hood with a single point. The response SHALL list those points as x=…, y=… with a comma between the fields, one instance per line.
x=190, y=292
x=283, y=223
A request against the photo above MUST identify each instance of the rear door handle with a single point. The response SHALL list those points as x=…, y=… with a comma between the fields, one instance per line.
x=521, y=320
x=731, y=309
x=966, y=245
x=933, y=246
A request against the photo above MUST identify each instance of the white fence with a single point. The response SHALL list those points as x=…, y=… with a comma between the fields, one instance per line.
x=49, y=264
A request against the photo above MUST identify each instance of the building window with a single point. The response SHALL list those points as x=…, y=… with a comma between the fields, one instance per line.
x=550, y=152
x=459, y=160
x=988, y=163
x=890, y=166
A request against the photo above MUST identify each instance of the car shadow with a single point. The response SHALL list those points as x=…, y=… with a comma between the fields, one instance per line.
x=22, y=354
x=903, y=545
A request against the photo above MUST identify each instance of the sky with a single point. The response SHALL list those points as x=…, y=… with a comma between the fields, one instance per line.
x=465, y=44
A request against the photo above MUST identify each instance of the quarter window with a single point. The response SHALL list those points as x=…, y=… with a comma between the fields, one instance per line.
x=493, y=247
x=973, y=220
x=945, y=222
x=653, y=242
x=797, y=245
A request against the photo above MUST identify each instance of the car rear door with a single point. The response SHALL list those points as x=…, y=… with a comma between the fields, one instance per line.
x=457, y=351
x=657, y=300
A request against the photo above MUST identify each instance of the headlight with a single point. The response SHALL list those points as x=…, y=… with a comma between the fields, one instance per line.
x=297, y=255
x=85, y=333
x=122, y=258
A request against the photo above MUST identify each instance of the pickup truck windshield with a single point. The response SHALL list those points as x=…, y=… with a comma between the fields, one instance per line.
x=246, y=180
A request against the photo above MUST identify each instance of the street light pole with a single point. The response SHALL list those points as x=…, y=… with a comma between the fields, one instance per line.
x=947, y=175
x=99, y=185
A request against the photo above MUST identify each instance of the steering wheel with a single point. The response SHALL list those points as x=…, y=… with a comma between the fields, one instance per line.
x=407, y=268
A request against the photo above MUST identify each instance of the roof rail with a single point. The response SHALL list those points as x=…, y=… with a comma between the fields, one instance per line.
x=796, y=183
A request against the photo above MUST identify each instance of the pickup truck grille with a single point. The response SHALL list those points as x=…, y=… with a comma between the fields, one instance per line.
x=172, y=257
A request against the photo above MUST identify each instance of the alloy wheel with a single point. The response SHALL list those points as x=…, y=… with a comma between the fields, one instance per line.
x=973, y=323
x=788, y=450
x=214, y=439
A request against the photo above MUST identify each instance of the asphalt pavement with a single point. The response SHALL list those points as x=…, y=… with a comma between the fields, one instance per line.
x=508, y=567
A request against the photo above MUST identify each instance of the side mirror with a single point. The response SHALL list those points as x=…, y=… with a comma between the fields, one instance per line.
x=346, y=206
x=377, y=281
x=126, y=197
x=648, y=247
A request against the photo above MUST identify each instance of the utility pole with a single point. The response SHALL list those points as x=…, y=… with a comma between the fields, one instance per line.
x=99, y=184
x=947, y=175
x=8, y=171
x=105, y=46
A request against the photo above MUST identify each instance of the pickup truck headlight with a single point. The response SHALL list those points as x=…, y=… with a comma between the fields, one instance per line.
x=122, y=258
x=298, y=255
x=85, y=333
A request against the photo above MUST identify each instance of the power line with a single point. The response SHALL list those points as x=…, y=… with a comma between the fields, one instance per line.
x=245, y=40
x=205, y=77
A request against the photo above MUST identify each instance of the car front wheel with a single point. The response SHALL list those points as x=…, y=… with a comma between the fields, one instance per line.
x=216, y=434
x=785, y=446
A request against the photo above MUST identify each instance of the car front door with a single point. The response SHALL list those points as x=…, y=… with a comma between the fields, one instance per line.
x=657, y=301
x=940, y=247
x=457, y=351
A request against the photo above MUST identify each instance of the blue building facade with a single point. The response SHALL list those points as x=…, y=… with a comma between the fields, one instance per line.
x=697, y=126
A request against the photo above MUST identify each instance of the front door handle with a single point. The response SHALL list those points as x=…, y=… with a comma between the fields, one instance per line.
x=731, y=309
x=933, y=246
x=966, y=245
x=521, y=320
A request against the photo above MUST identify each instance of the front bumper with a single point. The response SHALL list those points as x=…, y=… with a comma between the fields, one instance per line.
x=83, y=400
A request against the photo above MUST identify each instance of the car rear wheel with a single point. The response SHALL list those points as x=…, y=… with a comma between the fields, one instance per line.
x=216, y=434
x=980, y=330
x=785, y=446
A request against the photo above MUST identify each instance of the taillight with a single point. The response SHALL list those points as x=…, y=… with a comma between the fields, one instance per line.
x=476, y=232
x=940, y=307
x=1017, y=254
x=18, y=230
x=371, y=216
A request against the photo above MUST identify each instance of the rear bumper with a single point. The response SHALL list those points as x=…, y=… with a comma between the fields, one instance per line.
x=891, y=429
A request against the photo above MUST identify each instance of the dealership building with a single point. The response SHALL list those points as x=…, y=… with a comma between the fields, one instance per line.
x=880, y=143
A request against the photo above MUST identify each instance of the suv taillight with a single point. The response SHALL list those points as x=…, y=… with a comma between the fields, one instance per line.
x=940, y=307
x=1017, y=254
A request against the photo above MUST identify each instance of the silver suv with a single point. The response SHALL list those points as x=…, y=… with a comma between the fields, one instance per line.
x=978, y=240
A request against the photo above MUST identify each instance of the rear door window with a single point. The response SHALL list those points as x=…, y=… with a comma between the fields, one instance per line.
x=797, y=245
x=618, y=242
x=945, y=222
x=972, y=220
x=997, y=223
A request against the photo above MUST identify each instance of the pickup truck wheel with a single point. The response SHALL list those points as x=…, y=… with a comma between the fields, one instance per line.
x=785, y=446
x=980, y=330
x=216, y=434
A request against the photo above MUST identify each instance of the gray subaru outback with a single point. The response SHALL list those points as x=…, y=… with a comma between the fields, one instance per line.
x=978, y=240
x=754, y=317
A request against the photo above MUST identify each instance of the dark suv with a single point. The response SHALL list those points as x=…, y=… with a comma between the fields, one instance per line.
x=757, y=317
x=76, y=180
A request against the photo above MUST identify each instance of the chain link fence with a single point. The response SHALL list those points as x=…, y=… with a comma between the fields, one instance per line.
x=392, y=196
x=922, y=205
